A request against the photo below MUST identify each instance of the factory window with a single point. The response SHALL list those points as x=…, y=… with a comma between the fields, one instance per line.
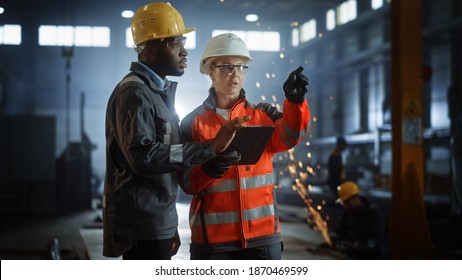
x=441, y=63
x=79, y=36
x=308, y=31
x=350, y=103
x=295, y=37
x=269, y=41
x=128, y=38
x=346, y=12
x=10, y=34
x=190, y=39
x=375, y=4
x=330, y=19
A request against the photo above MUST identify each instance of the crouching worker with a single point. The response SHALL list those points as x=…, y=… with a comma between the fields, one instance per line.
x=361, y=230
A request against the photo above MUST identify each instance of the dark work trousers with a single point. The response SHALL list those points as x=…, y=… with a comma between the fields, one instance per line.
x=150, y=250
x=267, y=252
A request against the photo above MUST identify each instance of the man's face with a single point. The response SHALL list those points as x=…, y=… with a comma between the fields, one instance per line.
x=353, y=203
x=171, y=57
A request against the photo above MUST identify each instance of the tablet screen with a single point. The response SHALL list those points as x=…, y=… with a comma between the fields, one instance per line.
x=250, y=142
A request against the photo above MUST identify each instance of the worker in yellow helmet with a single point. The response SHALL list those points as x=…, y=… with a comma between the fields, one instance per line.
x=144, y=151
x=360, y=233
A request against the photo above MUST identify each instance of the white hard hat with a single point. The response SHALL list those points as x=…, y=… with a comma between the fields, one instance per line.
x=227, y=44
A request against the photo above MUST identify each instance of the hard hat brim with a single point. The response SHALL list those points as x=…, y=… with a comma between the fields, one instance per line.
x=187, y=30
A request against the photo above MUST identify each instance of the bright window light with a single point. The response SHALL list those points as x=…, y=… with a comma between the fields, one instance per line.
x=269, y=41
x=65, y=36
x=375, y=4
x=346, y=11
x=295, y=37
x=79, y=36
x=308, y=31
x=251, y=17
x=10, y=34
x=190, y=39
x=330, y=19
x=254, y=40
x=127, y=14
x=101, y=36
x=47, y=35
x=83, y=36
x=128, y=38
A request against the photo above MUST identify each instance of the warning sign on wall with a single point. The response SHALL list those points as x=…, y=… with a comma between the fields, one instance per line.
x=412, y=131
x=411, y=110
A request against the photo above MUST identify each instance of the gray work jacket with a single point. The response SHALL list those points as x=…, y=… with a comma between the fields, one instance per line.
x=143, y=154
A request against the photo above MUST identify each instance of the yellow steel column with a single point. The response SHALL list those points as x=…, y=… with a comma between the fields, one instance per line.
x=409, y=232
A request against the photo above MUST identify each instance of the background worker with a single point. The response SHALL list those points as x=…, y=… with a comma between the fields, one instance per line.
x=361, y=231
x=233, y=213
x=336, y=171
x=143, y=147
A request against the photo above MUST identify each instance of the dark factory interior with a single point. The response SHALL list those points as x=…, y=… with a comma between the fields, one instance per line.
x=384, y=74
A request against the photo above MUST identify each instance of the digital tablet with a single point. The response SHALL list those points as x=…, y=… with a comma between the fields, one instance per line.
x=250, y=142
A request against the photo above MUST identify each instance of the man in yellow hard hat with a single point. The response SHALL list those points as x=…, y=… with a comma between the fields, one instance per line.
x=143, y=146
x=360, y=233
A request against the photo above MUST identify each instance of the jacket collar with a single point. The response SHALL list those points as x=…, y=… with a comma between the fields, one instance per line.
x=210, y=101
x=150, y=77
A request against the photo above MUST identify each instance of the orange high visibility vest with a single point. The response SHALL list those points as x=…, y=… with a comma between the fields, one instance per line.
x=239, y=210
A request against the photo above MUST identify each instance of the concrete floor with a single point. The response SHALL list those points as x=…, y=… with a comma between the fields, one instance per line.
x=29, y=237
x=80, y=236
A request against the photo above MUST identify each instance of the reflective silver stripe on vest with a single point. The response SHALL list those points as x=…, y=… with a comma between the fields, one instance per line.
x=216, y=218
x=176, y=153
x=257, y=181
x=168, y=131
x=233, y=217
x=246, y=183
x=259, y=212
x=223, y=186
x=285, y=139
x=293, y=135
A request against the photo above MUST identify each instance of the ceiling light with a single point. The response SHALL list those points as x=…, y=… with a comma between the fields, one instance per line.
x=251, y=17
x=2, y=10
x=127, y=14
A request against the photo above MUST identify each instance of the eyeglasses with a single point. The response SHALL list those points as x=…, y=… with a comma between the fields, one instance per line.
x=228, y=69
x=176, y=43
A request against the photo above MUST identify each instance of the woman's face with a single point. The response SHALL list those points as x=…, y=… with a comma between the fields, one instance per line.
x=228, y=75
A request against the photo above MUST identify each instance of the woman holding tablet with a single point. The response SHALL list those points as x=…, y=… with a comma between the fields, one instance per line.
x=233, y=212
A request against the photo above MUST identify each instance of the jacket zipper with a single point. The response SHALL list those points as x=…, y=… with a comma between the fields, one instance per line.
x=241, y=211
x=239, y=189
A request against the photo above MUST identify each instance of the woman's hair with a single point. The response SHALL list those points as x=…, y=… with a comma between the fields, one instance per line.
x=209, y=62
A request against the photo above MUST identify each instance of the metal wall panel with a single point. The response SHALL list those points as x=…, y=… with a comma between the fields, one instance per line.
x=31, y=149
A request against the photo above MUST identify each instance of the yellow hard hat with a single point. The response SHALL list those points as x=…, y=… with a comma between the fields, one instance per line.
x=347, y=190
x=157, y=20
